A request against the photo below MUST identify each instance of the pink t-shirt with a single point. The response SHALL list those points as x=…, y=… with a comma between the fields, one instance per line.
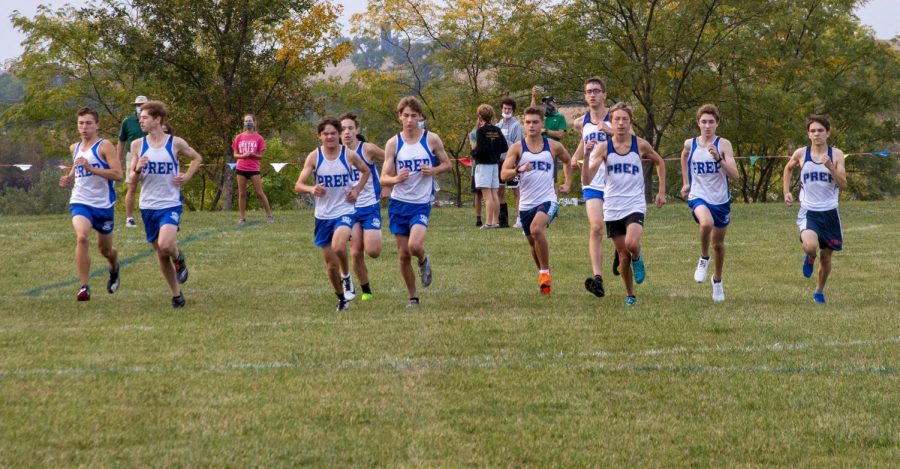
x=248, y=143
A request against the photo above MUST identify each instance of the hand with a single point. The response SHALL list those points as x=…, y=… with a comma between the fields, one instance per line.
x=574, y=164
x=181, y=179
x=789, y=199
x=319, y=190
x=715, y=153
x=66, y=179
x=829, y=165
x=685, y=190
x=403, y=175
x=524, y=168
x=660, y=200
x=141, y=164
x=352, y=196
x=428, y=170
x=564, y=188
x=536, y=90
x=83, y=162
x=589, y=146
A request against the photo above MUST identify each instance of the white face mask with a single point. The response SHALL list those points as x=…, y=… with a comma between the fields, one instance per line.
x=137, y=109
x=421, y=124
x=506, y=115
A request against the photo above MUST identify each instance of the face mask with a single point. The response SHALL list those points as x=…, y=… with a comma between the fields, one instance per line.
x=421, y=124
x=137, y=110
x=248, y=125
x=550, y=109
x=506, y=115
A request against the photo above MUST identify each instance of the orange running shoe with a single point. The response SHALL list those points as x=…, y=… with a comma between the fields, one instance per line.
x=544, y=280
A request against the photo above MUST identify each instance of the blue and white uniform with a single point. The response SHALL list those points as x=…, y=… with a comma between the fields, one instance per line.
x=410, y=202
x=160, y=201
x=368, y=212
x=332, y=209
x=536, y=187
x=591, y=131
x=93, y=196
x=709, y=184
x=819, y=202
x=624, y=192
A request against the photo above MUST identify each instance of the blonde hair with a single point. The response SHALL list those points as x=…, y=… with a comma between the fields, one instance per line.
x=486, y=113
x=622, y=107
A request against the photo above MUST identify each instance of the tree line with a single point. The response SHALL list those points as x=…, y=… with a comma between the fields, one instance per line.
x=766, y=65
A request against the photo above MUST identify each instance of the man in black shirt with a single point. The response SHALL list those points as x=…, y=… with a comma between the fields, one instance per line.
x=489, y=145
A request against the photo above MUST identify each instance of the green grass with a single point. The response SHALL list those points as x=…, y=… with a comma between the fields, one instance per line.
x=259, y=370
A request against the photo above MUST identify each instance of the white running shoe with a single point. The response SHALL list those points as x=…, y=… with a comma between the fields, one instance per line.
x=700, y=273
x=718, y=290
x=518, y=223
x=349, y=291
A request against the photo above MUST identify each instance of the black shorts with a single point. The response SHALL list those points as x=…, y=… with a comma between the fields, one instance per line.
x=475, y=190
x=620, y=227
x=247, y=174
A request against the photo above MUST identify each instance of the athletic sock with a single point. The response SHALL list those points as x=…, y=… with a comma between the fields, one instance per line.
x=598, y=277
x=366, y=288
x=345, y=276
x=544, y=271
x=704, y=258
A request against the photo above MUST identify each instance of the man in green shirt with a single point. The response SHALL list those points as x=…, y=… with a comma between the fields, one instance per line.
x=130, y=131
x=554, y=127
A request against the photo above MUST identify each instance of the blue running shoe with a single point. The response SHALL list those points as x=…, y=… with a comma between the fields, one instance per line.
x=630, y=300
x=639, y=273
x=808, y=265
x=819, y=297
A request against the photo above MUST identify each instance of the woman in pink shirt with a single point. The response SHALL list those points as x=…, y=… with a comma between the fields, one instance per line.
x=248, y=148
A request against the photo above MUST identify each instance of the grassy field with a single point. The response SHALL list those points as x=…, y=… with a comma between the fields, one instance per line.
x=259, y=370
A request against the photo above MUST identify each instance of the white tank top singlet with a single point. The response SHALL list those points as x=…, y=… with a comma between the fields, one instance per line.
x=336, y=176
x=158, y=190
x=706, y=177
x=92, y=189
x=536, y=186
x=624, y=192
x=591, y=131
x=818, y=192
x=418, y=188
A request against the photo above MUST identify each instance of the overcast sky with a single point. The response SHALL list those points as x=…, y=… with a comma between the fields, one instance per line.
x=882, y=15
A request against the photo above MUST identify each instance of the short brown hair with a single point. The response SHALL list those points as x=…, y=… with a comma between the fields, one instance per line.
x=596, y=80
x=820, y=118
x=622, y=107
x=486, y=113
x=410, y=102
x=326, y=121
x=710, y=109
x=507, y=101
x=85, y=111
x=156, y=109
x=535, y=110
x=351, y=116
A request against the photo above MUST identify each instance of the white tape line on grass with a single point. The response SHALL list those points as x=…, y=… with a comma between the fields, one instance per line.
x=545, y=360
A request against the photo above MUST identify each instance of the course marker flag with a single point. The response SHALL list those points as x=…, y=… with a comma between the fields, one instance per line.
x=23, y=167
x=278, y=166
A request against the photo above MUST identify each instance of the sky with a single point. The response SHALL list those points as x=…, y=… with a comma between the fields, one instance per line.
x=882, y=15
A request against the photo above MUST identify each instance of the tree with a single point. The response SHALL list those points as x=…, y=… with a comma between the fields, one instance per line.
x=210, y=61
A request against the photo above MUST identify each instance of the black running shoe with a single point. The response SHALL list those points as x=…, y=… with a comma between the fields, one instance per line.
x=616, y=264
x=178, y=301
x=181, y=269
x=113, y=283
x=595, y=286
x=343, y=305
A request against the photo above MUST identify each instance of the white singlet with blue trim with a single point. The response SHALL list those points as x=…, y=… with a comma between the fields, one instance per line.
x=92, y=189
x=371, y=192
x=818, y=191
x=158, y=189
x=624, y=192
x=418, y=188
x=706, y=177
x=536, y=186
x=591, y=131
x=336, y=176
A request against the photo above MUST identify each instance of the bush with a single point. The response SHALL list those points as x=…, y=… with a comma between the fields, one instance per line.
x=44, y=197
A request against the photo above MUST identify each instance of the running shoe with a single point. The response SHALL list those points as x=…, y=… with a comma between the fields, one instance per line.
x=113, y=283
x=808, y=264
x=819, y=297
x=349, y=290
x=129, y=222
x=270, y=219
x=630, y=300
x=85, y=293
x=544, y=281
x=367, y=296
x=343, y=305
x=413, y=303
x=178, y=301
x=718, y=293
x=181, y=269
x=518, y=223
x=425, y=271
x=615, y=267
x=595, y=286
x=700, y=272
x=639, y=273
x=242, y=221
